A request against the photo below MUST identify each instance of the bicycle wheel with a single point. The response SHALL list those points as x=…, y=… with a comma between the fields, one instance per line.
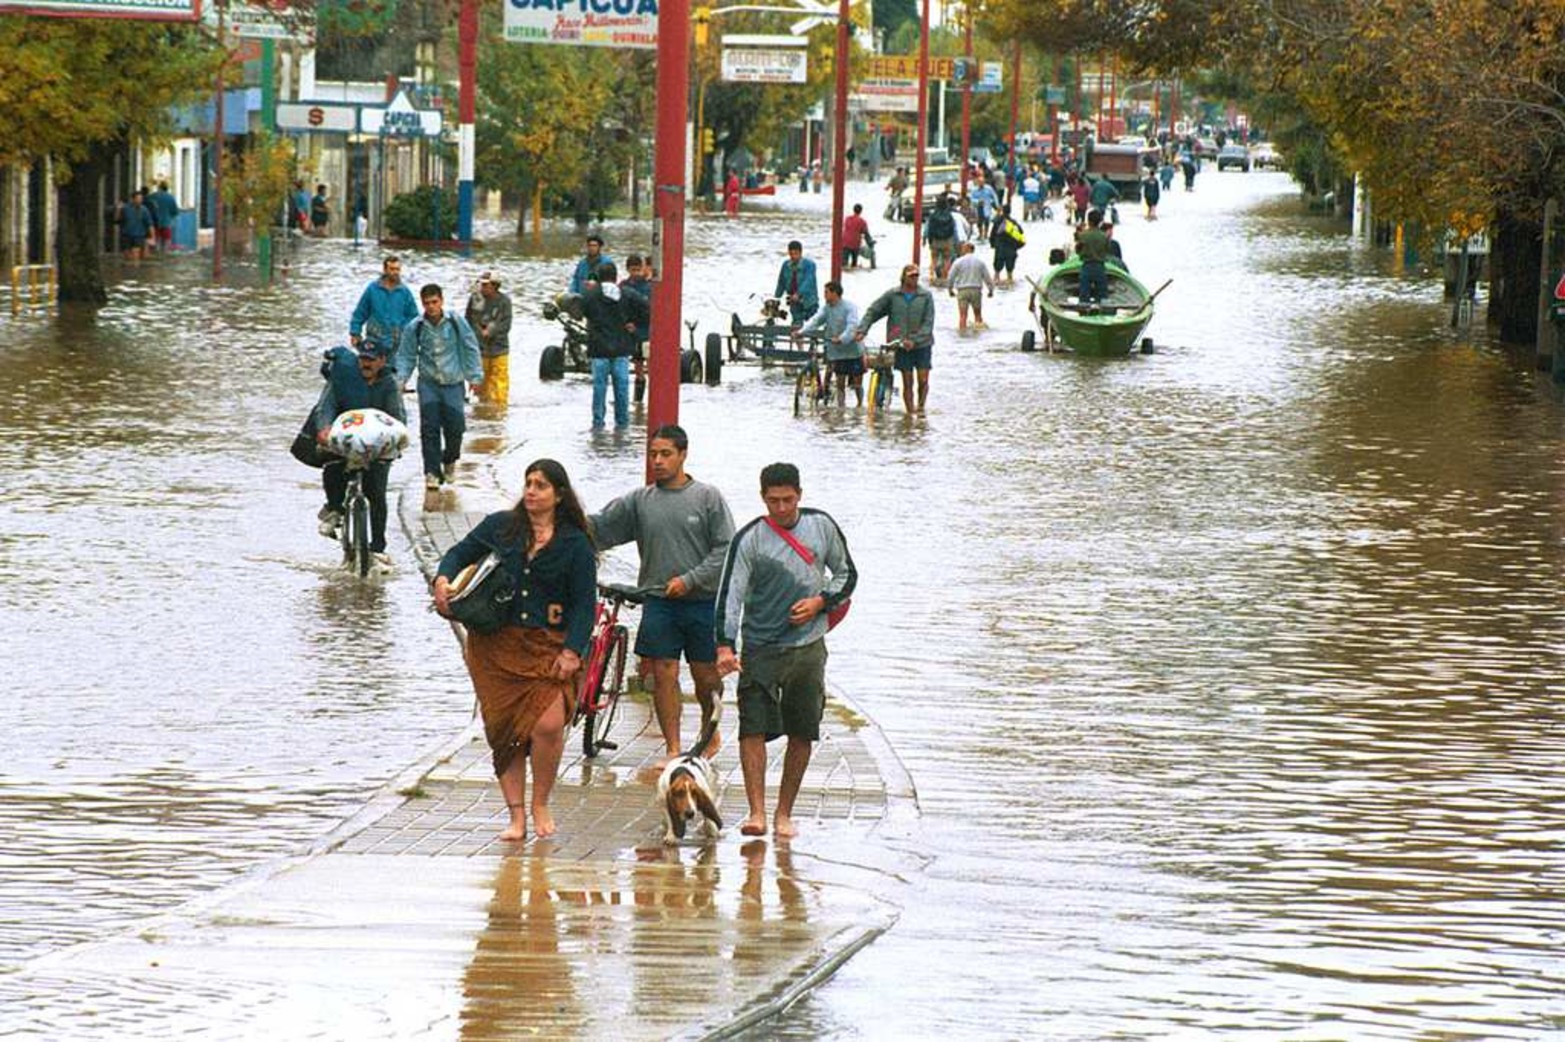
x=360, y=523
x=345, y=527
x=604, y=705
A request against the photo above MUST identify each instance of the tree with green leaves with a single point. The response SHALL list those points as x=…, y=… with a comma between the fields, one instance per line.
x=1449, y=112
x=78, y=89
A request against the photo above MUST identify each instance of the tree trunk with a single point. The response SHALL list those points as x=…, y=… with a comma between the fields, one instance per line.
x=80, y=244
x=1514, y=254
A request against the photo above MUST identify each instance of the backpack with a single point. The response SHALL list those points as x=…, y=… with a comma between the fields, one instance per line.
x=942, y=225
x=1014, y=231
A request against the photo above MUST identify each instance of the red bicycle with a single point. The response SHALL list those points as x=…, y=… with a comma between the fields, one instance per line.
x=603, y=675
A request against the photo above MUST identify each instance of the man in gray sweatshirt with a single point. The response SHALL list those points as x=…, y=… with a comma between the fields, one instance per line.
x=681, y=527
x=786, y=572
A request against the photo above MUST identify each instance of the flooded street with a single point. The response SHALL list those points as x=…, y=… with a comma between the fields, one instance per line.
x=1228, y=676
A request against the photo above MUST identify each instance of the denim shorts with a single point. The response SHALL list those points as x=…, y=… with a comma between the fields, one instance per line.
x=671, y=627
x=913, y=358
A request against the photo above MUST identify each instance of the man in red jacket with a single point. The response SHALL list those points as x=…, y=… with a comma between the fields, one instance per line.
x=854, y=229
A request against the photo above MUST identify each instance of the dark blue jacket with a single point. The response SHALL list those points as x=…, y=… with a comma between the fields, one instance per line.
x=557, y=590
x=345, y=389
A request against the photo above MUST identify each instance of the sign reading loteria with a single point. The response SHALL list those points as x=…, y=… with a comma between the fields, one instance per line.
x=764, y=65
x=885, y=95
x=154, y=10
x=583, y=23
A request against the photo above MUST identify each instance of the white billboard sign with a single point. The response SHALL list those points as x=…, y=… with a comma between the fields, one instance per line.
x=991, y=78
x=885, y=96
x=255, y=22
x=154, y=10
x=318, y=116
x=583, y=23
x=764, y=65
x=399, y=119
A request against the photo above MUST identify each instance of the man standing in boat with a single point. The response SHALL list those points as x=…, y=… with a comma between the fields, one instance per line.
x=1093, y=247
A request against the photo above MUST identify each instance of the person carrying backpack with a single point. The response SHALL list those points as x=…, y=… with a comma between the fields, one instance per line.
x=940, y=230
x=1007, y=239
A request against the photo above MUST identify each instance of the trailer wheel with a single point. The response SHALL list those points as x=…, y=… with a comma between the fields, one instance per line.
x=690, y=368
x=551, y=364
x=1029, y=340
x=714, y=359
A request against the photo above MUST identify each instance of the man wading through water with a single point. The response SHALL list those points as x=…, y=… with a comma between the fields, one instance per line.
x=681, y=528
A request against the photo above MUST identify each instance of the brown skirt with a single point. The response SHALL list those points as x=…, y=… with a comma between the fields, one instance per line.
x=511, y=674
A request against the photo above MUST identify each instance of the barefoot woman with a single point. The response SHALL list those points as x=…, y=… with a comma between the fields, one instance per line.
x=523, y=673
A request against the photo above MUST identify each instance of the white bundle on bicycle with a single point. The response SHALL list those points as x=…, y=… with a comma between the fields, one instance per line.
x=365, y=436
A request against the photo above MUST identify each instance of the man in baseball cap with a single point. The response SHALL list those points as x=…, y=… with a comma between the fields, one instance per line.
x=489, y=313
x=372, y=386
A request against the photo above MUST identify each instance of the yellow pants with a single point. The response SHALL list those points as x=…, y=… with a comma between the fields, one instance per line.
x=497, y=379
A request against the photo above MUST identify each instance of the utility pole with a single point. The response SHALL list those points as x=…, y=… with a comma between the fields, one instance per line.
x=668, y=212
x=967, y=93
x=217, y=151
x=923, y=132
x=839, y=148
x=467, y=116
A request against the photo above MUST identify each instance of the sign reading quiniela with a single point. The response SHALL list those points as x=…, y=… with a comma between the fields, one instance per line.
x=584, y=23
x=157, y=10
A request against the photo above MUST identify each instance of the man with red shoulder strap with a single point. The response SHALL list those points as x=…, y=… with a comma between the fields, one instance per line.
x=784, y=574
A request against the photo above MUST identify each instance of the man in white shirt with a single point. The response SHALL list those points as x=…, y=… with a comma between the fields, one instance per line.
x=968, y=278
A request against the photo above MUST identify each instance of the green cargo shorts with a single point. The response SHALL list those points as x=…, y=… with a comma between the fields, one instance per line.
x=782, y=691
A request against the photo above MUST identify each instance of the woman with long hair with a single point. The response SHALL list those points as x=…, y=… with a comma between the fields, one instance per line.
x=524, y=672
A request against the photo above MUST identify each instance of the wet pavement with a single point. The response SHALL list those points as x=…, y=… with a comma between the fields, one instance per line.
x=413, y=920
x=1228, y=676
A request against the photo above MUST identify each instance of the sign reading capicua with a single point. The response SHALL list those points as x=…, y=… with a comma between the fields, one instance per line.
x=166, y=10
x=584, y=23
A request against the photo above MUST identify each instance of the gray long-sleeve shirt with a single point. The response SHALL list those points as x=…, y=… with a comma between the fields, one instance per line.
x=494, y=312
x=680, y=532
x=763, y=577
x=907, y=315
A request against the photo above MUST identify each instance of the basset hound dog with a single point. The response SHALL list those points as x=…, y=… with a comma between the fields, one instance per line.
x=687, y=788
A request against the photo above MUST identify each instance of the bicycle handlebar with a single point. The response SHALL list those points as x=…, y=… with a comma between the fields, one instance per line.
x=628, y=594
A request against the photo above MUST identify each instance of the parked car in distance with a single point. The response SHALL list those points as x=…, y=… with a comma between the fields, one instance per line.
x=1205, y=149
x=1233, y=155
x=938, y=180
x=1264, y=157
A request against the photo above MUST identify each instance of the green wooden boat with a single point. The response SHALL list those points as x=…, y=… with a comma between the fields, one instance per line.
x=1112, y=326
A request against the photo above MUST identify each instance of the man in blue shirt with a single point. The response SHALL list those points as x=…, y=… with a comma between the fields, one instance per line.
x=444, y=351
x=165, y=209
x=837, y=320
x=796, y=284
x=587, y=268
x=385, y=307
x=136, y=227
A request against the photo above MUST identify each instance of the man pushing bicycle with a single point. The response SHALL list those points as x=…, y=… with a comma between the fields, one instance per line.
x=681, y=527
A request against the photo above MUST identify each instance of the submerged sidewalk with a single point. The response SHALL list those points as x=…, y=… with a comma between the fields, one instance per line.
x=411, y=921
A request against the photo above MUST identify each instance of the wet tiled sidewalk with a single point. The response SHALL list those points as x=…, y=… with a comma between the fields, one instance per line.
x=412, y=921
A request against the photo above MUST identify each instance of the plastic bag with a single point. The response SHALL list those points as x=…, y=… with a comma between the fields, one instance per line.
x=365, y=436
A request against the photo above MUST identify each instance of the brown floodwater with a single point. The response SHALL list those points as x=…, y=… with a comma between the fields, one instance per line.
x=1228, y=676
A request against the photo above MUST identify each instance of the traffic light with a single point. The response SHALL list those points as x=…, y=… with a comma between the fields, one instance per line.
x=702, y=18
x=708, y=141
